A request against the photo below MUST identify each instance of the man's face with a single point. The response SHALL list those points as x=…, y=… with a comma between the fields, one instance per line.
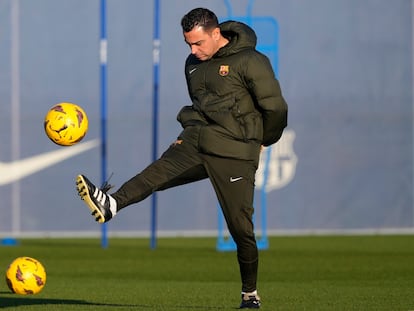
x=203, y=44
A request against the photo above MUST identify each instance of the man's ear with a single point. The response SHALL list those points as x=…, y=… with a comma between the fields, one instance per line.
x=216, y=34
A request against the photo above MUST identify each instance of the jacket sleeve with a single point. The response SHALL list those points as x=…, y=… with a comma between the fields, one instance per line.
x=267, y=95
x=188, y=117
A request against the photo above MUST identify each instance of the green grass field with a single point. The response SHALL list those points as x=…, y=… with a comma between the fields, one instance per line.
x=296, y=273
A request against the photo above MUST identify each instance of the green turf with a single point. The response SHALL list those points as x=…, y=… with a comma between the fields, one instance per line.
x=296, y=273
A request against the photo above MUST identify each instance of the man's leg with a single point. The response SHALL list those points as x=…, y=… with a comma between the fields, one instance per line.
x=179, y=164
x=233, y=181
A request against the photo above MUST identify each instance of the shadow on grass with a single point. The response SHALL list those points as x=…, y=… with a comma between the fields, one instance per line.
x=9, y=302
x=17, y=301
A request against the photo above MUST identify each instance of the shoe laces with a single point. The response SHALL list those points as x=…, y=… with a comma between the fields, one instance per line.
x=106, y=186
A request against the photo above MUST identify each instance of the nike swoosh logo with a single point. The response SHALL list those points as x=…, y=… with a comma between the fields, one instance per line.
x=16, y=170
x=192, y=70
x=234, y=179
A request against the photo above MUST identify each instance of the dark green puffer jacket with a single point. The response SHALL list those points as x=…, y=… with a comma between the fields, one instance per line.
x=236, y=98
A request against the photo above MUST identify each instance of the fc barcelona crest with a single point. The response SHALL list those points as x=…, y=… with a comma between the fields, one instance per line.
x=224, y=70
x=282, y=161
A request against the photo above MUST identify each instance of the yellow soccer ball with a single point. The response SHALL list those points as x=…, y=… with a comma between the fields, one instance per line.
x=66, y=124
x=26, y=276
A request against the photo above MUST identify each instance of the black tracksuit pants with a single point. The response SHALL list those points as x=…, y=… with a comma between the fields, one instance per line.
x=233, y=182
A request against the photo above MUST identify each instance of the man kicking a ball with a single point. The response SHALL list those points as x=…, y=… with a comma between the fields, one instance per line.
x=237, y=107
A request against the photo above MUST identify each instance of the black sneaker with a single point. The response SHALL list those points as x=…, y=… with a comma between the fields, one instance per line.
x=96, y=199
x=250, y=301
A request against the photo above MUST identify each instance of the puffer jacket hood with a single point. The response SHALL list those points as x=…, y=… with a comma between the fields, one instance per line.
x=240, y=36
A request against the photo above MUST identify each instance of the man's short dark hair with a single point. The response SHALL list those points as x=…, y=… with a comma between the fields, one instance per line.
x=199, y=17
